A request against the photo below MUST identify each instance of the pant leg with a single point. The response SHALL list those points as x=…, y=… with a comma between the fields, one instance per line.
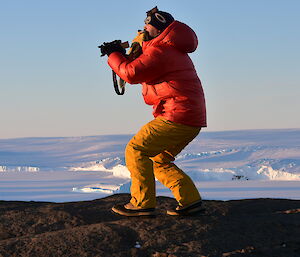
x=181, y=185
x=154, y=138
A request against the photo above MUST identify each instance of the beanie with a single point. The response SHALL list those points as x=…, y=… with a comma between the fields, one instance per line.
x=158, y=19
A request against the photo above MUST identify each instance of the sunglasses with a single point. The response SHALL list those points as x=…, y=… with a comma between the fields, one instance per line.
x=158, y=16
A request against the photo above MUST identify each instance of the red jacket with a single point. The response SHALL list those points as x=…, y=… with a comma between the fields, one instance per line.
x=169, y=79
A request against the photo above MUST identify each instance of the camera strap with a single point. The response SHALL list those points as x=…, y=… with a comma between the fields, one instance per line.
x=118, y=86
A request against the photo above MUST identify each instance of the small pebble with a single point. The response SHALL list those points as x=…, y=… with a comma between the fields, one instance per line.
x=137, y=245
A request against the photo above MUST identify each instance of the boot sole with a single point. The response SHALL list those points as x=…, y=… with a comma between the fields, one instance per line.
x=186, y=212
x=133, y=213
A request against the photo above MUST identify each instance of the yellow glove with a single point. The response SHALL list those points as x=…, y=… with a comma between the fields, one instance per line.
x=136, y=46
x=140, y=38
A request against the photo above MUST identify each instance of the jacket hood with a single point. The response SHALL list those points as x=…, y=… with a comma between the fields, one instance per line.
x=177, y=34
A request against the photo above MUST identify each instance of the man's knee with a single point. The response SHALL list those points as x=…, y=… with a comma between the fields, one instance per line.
x=135, y=152
x=129, y=147
x=163, y=159
x=130, y=152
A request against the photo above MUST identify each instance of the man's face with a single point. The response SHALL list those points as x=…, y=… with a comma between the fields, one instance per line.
x=153, y=32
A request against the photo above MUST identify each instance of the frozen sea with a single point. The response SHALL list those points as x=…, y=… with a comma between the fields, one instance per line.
x=224, y=165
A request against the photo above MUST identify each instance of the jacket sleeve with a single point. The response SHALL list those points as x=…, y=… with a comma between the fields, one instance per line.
x=147, y=67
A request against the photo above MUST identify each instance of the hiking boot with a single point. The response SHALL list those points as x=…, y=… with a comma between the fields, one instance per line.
x=190, y=209
x=131, y=211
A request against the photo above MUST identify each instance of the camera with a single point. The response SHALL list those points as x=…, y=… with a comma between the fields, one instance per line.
x=117, y=45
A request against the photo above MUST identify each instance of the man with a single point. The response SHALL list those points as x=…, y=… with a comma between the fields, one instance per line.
x=172, y=87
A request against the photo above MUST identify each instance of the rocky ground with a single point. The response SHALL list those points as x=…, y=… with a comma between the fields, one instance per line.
x=257, y=227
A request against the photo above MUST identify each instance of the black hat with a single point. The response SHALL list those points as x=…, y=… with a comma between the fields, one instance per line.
x=158, y=19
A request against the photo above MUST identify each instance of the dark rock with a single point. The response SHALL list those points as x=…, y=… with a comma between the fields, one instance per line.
x=254, y=227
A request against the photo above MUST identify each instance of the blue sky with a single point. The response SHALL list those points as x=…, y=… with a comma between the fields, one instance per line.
x=53, y=82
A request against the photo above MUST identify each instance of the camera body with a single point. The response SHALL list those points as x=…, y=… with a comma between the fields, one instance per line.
x=107, y=47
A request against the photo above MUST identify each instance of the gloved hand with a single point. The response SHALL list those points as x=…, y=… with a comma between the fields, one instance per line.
x=136, y=46
x=108, y=48
x=140, y=38
x=115, y=48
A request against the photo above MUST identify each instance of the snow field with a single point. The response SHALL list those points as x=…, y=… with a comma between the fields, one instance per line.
x=223, y=165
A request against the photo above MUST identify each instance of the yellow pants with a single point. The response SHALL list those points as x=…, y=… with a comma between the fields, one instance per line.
x=150, y=153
